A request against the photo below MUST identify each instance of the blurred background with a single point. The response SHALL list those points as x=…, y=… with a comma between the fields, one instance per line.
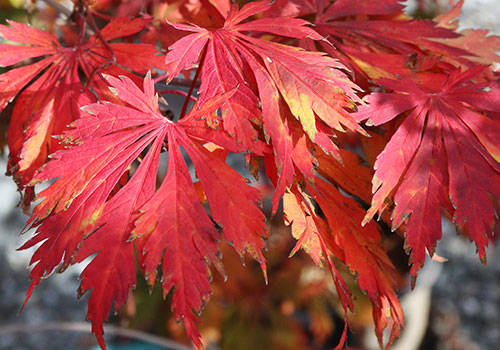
x=455, y=305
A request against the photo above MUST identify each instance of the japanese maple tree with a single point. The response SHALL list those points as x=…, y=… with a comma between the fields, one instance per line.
x=342, y=110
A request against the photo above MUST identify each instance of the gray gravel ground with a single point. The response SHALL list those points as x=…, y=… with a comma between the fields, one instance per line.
x=466, y=298
x=53, y=301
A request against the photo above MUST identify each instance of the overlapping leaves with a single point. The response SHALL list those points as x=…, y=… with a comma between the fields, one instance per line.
x=82, y=213
x=282, y=106
x=445, y=154
x=50, y=91
x=287, y=80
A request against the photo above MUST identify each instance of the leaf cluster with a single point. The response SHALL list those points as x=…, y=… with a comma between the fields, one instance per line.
x=287, y=84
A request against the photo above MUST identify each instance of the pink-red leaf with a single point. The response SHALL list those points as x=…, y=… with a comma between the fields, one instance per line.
x=445, y=147
x=87, y=210
x=310, y=85
x=179, y=235
x=59, y=90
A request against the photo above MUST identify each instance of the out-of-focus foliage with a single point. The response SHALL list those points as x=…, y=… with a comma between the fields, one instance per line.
x=297, y=309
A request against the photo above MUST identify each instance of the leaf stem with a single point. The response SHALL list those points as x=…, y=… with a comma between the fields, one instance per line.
x=193, y=83
x=98, y=33
x=176, y=81
x=161, y=77
x=102, y=15
x=177, y=92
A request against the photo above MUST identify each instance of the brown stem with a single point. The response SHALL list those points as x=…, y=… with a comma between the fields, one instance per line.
x=183, y=82
x=92, y=23
x=176, y=81
x=195, y=79
x=102, y=15
x=177, y=92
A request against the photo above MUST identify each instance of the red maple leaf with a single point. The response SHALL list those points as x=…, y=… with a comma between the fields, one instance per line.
x=309, y=85
x=376, y=38
x=341, y=236
x=482, y=44
x=53, y=91
x=279, y=104
x=81, y=215
x=337, y=231
x=445, y=154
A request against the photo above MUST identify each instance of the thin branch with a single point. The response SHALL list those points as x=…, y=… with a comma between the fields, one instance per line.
x=92, y=23
x=195, y=80
x=177, y=92
x=86, y=328
x=163, y=76
x=176, y=81
x=101, y=15
x=184, y=82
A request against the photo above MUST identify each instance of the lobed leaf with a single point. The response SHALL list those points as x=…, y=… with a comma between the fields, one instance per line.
x=424, y=165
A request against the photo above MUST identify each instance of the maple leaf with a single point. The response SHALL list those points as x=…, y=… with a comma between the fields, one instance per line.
x=281, y=105
x=82, y=213
x=363, y=254
x=75, y=205
x=306, y=229
x=482, y=45
x=351, y=176
x=341, y=236
x=376, y=39
x=48, y=104
x=445, y=154
x=179, y=235
x=311, y=86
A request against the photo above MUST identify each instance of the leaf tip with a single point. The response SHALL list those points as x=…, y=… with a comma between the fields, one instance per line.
x=113, y=90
